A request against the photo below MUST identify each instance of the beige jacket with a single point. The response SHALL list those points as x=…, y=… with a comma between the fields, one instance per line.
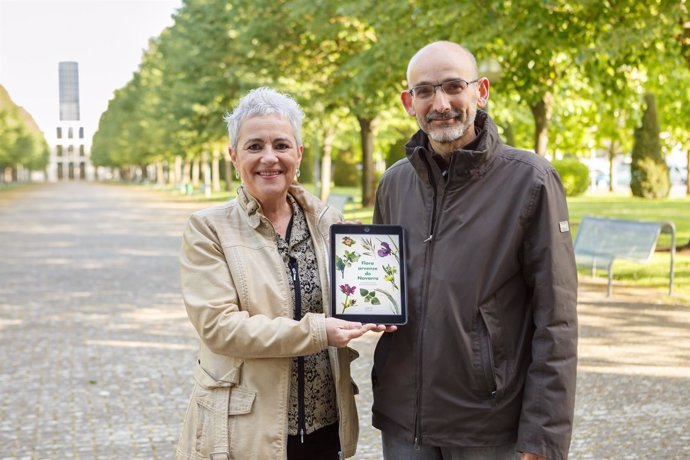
x=238, y=299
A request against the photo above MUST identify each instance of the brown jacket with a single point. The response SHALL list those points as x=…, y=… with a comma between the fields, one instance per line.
x=488, y=356
x=238, y=299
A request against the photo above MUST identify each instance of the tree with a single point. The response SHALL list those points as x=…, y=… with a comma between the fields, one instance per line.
x=534, y=43
x=575, y=66
x=22, y=145
x=648, y=171
x=683, y=39
x=319, y=55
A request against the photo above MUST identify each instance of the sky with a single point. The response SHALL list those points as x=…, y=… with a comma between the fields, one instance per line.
x=106, y=37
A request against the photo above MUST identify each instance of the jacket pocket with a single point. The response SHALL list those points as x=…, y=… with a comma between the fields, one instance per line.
x=241, y=401
x=484, y=358
x=209, y=424
x=206, y=414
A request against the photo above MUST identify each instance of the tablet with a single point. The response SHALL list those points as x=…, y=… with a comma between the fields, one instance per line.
x=367, y=268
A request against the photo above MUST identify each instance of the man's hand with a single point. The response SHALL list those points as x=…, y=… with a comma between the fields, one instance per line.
x=528, y=456
x=339, y=332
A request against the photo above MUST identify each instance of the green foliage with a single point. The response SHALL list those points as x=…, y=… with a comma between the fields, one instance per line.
x=649, y=179
x=306, y=169
x=21, y=141
x=396, y=151
x=669, y=82
x=345, y=63
x=513, y=119
x=648, y=170
x=574, y=175
x=346, y=168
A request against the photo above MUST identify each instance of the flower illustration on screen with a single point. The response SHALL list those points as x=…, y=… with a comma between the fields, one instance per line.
x=347, y=241
x=386, y=249
x=369, y=296
x=346, y=261
x=390, y=272
x=348, y=291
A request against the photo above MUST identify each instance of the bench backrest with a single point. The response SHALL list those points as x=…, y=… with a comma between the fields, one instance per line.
x=601, y=240
x=339, y=201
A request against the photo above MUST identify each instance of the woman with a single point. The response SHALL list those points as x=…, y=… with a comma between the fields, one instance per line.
x=273, y=377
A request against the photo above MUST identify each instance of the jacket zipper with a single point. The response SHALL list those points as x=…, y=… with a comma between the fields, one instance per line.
x=488, y=358
x=420, y=341
x=433, y=187
x=301, y=424
x=430, y=239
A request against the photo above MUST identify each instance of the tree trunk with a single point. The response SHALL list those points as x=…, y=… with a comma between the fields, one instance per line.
x=186, y=174
x=687, y=177
x=215, y=170
x=612, y=157
x=160, y=173
x=178, y=172
x=541, y=111
x=367, y=130
x=205, y=167
x=228, y=170
x=328, y=138
x=196, y=172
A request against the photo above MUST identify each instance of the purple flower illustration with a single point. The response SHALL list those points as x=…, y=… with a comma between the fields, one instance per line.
x=385, y=250
x=348, y=291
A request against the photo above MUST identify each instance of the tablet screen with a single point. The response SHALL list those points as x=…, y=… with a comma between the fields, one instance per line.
x=367, y=264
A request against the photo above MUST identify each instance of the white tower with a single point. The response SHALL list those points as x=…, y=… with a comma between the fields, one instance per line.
x=70, y=156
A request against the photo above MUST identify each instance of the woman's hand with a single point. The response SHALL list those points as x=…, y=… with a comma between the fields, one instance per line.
x=339, y=332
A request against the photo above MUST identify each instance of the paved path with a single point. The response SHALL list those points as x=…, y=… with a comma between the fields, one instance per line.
x=96, y=353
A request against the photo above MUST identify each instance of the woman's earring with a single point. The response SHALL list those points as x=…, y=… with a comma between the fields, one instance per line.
x=237, y=174
x=298, y=173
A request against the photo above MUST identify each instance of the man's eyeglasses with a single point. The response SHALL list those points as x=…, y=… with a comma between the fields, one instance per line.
x=450, y=87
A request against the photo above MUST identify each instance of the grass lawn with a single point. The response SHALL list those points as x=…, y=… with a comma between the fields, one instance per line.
x=653, y=274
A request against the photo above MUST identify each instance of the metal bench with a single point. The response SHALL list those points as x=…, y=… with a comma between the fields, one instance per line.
x=601, y=240
x=339, y=201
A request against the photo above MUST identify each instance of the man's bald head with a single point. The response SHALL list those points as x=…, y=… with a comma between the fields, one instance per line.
x=445, y=109
x=446, y=49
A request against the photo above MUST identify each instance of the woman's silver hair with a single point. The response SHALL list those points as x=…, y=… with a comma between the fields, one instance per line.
x=264, y=101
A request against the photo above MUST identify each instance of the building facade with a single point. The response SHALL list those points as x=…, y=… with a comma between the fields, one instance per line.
x=70, y=153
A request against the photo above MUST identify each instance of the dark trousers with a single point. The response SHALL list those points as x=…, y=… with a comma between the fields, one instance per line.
x=322, y=444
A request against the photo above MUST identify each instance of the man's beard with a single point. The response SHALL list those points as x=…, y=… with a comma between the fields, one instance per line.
x=447, y=135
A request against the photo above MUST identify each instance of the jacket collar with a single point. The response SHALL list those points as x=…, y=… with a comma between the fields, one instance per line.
x=251, y=207
x=464, y=163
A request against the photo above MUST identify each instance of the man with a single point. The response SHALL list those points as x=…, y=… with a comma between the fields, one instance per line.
x=485, y=367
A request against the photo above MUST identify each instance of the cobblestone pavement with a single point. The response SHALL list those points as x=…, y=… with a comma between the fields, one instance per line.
x=96, y=353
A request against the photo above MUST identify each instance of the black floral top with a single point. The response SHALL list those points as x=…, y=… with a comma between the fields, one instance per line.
x=319, y=391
